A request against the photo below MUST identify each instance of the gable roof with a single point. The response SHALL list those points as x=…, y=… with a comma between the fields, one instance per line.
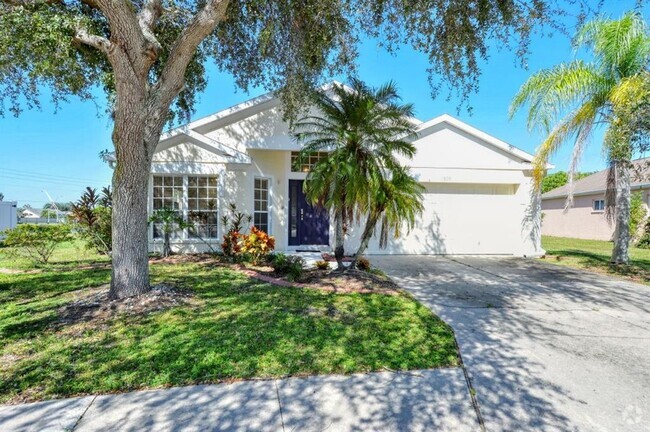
x=597, y=182
x=429, y=125
x=269, y=100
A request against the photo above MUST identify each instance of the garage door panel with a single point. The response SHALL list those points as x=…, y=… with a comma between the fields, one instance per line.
x=461, y=219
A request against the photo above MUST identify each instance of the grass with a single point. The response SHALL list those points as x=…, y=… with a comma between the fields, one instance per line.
x=595, y=255
x=236, y=328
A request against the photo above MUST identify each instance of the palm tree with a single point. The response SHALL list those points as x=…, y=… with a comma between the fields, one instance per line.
x=395, y=201
x=364, y=130
x=569, y=100
x=169, y=221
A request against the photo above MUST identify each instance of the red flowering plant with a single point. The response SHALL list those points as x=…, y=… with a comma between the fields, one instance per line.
x=257, y=245
x=230, y=245
x=233, y=220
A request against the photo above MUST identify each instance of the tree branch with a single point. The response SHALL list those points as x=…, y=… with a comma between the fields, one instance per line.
x=147, y=19
x=126, y=34
x=172, y=77
x=98, y=42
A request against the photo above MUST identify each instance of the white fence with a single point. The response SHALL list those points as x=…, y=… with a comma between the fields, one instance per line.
x=40, y=220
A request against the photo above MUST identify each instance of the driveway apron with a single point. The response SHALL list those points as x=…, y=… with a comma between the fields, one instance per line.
x=547, y=348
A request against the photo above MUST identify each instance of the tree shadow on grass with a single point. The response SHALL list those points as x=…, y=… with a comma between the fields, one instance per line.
x=243, y=329
x=29, y=302
x=637, y=269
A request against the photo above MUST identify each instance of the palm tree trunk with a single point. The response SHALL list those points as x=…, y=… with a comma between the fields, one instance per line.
x=338, y=239
x=365, y=238
x=167, y=249
x=622, y=214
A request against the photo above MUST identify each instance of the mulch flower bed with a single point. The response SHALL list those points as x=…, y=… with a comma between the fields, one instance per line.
x=349, y=281
x=98, y=307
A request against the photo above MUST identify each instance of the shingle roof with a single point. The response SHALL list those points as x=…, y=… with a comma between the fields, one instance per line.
x=597, y=182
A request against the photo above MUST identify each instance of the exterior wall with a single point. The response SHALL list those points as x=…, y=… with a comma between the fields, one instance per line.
x=263, y=130
x=236, y=182
x=446, y=147
x=579, y=221
x=467, y=219
x=478, y=198
x=8, y=216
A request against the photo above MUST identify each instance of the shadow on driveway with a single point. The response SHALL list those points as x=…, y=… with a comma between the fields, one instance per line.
x=547, y=348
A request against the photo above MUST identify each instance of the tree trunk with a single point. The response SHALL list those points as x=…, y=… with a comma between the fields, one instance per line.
x=622, y=215
x=338, y=239
x=167, y=248
x=130, y=275
x=365, y=238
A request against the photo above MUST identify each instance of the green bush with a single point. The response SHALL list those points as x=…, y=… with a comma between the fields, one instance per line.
x=644, y=240
x=637, y=214
x=168, y=221
x=37, y=241
x=92, y=216
x=290, y=266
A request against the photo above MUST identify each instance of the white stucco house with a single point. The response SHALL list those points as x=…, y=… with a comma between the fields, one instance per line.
x=478, y=196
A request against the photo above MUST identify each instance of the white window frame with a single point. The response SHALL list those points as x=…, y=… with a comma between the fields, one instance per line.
x=268, y=212
x=311, y=161
x=595, y=206
x=186, y=215
x=184, y=205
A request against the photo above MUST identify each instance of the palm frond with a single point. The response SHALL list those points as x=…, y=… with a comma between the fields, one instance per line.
x=551, y=92
x=576, y=123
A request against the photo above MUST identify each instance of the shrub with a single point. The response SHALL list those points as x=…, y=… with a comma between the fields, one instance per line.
x=168, y=221
x=644, y=240
x=37, y=241
x=257, y=244
x=290, y=266
x=233, y=220
x=363, y=264
x=637, y=214
x=230, y=245
x=92, y=217
x=322, y=265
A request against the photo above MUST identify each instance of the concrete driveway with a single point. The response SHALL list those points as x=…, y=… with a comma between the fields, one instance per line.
x=547, y=348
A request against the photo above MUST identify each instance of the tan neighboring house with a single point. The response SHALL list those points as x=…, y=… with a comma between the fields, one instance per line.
x=586, y=218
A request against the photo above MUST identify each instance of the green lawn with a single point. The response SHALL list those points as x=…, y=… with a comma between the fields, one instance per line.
x=595, y=255
x=235, y=328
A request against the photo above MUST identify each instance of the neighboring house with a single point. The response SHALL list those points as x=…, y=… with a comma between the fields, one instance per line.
x=586, y=218
x=8, y=216
x=30, y=213
x=477, y=200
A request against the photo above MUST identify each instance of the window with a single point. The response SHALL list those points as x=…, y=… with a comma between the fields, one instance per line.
x=599, y=205
x=308, y=163
x=261, y=204
x=193, y=197
x=167, y=193
x=202, y=206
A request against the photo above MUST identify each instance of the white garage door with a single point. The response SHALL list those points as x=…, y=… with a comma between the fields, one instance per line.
x=462, y=219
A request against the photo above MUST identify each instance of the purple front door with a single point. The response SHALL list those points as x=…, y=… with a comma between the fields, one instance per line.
x=308, y=225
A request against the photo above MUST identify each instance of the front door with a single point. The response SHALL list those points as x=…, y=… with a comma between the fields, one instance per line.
x=308, y=225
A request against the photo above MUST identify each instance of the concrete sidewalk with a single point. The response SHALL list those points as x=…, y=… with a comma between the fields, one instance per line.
x=408, y=401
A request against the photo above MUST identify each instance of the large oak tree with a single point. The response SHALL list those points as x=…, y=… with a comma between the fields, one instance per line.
x=149, y=57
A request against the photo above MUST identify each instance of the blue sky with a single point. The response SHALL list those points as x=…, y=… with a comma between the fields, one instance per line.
x=58, y=152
